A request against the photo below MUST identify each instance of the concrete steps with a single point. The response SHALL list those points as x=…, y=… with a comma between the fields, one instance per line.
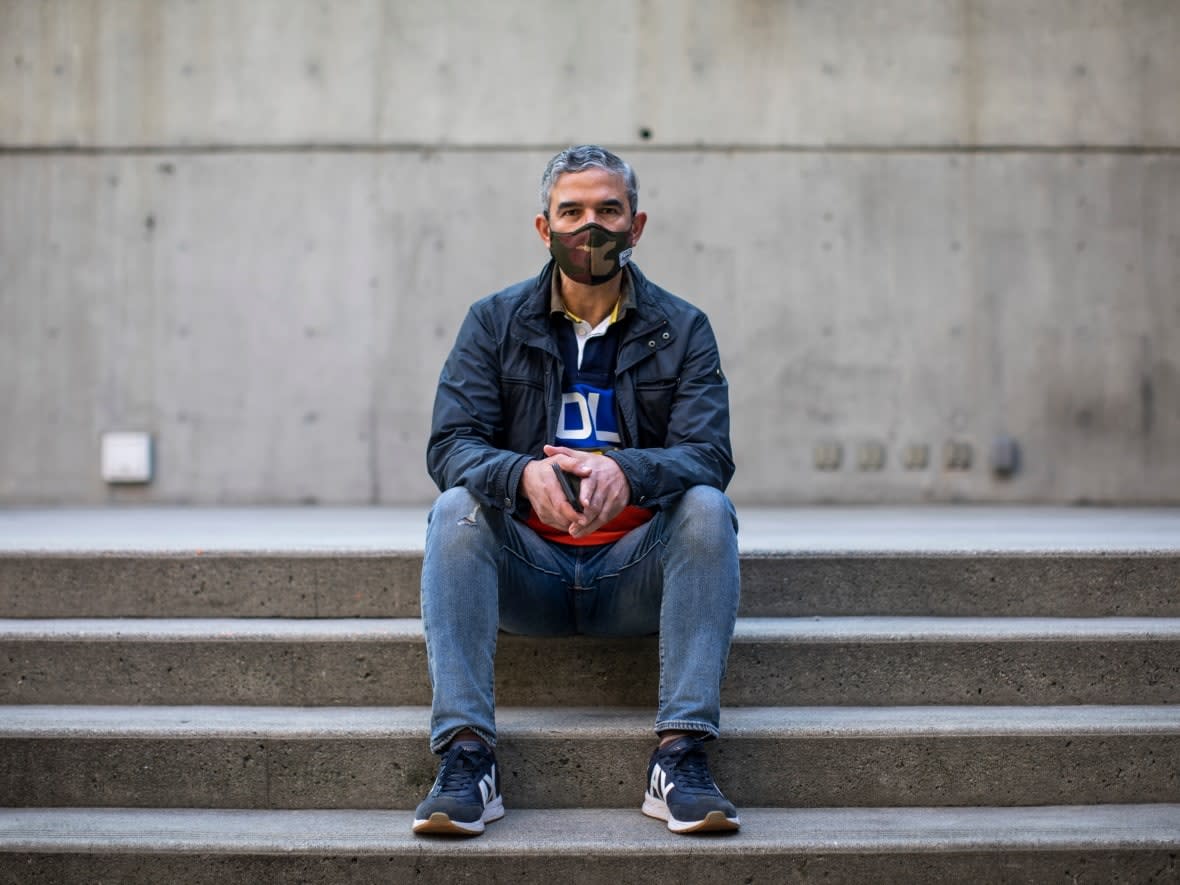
x=1087, y=844
x=179, y=711
x=343, y=757
x=368, y=584
x=859, y=661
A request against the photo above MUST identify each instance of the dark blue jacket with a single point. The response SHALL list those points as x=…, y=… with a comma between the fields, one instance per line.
x=499, y=397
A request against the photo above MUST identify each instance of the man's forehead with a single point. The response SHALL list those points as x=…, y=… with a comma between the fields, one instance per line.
x=591, y=179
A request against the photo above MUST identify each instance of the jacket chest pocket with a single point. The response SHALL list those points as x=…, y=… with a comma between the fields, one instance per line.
x=525, y=413
x=653, y=405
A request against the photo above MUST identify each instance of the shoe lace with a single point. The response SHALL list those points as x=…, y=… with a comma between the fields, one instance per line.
x=692, y=772
x=458, y=772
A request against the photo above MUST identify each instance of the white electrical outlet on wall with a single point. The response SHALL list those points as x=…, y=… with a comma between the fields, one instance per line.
x=126, y=457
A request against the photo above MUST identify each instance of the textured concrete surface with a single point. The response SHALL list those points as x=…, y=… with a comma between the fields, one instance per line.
x=996, y=584
x=222, y=584
x=252, y=229
x=847, y=746
x=372, y=584
x=786, y=867
x=764, y=73
x=825, y=529
x=283, y=343
x=1129, y=843
x=608, y=831
x=202, y=757
x=369, y=583
x=840, y=661
x=1099, y=866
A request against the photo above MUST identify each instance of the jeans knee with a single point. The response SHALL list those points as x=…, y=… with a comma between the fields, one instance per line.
x=708, y=505
x=705, y=517
x=456, y=518
x=454, y=505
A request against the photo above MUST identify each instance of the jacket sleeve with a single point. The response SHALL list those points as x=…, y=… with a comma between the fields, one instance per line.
x=467, y=422
x=697, y=449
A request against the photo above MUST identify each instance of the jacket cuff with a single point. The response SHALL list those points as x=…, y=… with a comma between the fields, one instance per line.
x=634, y=469
x=514, y=501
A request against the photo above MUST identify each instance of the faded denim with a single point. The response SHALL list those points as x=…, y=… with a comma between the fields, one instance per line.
x=484, y=571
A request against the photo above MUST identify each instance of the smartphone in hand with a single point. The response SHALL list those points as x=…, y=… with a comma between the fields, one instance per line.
x=570, y=484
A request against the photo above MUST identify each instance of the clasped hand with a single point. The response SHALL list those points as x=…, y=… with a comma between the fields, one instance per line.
x=604, y=491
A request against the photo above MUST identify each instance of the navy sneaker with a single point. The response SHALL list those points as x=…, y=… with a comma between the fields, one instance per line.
x=681, y=791
x=465, y=795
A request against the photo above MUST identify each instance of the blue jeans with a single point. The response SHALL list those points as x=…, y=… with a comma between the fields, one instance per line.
x=484, y=571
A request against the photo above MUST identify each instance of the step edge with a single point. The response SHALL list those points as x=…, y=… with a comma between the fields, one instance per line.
x=811, y=628
x=616, y=832
x=144, y=722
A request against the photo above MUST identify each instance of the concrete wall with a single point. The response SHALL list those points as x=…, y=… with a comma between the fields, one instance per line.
x=252, y=229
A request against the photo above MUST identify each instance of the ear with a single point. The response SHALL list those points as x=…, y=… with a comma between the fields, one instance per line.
x=542, y=224
x=637, y=225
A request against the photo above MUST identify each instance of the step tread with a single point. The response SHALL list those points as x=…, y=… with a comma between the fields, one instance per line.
x=860, y=628
x=968, y=528
x=597, y=832
x=293, y=723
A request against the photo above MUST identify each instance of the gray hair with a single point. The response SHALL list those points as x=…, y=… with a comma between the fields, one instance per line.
x=587, y=156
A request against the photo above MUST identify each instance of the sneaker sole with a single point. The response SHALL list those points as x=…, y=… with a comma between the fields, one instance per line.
x=440, y=822
x=713, y=822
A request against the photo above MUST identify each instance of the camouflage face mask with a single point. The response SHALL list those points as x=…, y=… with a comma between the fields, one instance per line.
x=591, y=254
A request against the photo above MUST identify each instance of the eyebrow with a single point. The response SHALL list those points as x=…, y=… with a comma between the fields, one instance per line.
x=573, y=204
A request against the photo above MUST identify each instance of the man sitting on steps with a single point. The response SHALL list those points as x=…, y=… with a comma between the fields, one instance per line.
x=589, y=375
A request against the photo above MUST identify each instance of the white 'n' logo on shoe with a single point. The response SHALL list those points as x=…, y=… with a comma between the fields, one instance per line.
x=660, y=786
x=487, y=786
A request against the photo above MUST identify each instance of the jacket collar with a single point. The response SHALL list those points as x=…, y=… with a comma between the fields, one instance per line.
x=532, y=316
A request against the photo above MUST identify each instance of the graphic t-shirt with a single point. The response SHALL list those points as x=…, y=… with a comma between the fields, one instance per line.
x=588, y=418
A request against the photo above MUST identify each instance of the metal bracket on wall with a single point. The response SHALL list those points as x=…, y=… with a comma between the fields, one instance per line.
x=828, y=455
x=871, y=456
x=957, y=455
x=916, y=456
